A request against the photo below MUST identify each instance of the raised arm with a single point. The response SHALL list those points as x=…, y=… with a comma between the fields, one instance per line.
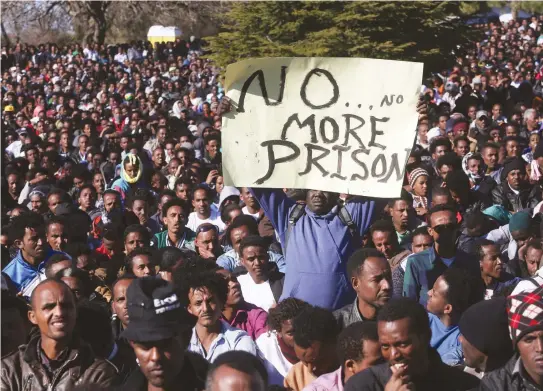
x=276, y=206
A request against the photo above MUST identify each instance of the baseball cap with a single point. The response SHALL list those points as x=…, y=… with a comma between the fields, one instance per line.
x=9, y=108
x=155, y=311
x=22, y=131
x=481, y=113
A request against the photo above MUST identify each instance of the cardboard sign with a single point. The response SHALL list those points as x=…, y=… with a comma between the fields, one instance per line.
x=345, y=125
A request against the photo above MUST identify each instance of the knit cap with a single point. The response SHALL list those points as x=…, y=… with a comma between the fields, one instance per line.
x=484, y=325
x=525, y=312
x=413, y=176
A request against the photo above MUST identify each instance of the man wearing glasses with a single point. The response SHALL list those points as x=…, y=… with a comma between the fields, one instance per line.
x=424, y=268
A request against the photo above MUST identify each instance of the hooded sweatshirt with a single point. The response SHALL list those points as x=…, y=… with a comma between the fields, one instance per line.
x=318, y=248
x=125, y=183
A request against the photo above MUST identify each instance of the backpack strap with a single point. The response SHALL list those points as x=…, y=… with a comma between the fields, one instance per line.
x=347, y=220
x=295, y=214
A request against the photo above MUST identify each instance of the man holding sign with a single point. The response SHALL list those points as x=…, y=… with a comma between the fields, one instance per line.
x=325, y=131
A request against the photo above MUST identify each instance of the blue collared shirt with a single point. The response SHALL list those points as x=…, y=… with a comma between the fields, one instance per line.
x=229, y=339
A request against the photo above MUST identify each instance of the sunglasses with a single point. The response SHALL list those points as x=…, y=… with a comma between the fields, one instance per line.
x=442, y=228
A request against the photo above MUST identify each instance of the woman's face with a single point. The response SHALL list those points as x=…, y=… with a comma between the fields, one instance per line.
x=219, y=184
x=420, y=187
x=534, y=140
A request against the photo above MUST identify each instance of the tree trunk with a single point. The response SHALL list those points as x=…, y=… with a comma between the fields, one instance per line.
x=5, y=36
x=100, y=28
x=515, y=5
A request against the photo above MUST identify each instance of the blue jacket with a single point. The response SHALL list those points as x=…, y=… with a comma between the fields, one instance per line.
x=22, y=273
x=446, y=341
x=318, y=248
x=423, y=269
x=230, y=260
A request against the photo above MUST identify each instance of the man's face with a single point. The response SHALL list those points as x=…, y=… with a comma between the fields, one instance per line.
x=437, y=297
x=533, y=260
x=234, y=288
x=33, y=244
x=53, y=311
x=201, y=202
x=160, y=361
x=462, y=148
x=212, y=148
x=512, y=148
x=373, y=284
x=400, y=344
x=256, y=260
x=98, y=183
x=110, y=202
x=205, y=305
x=443, y=227
x=400, y=214
x=14, y=184
x=83, y=143
x=319, y=202
x=442, y=123
x=371, y=352
x=440, y=151
x=182, y=191
x=491, y=263
x=31, y=156
x=530, y=348
x=248, y=198
x=384, y=242
x=172, y=167
x=158, y=157
x=86, y=198
x=161, y=135
x=56, y=236
x=118, y=303
x=315, y=357
x=444, y=170
x=141, y=210
x=134, y=240
x=208, y=241
x=421, y=243
x=226, y=378
x=496, y=109
x=515, y=178
x=36, y=203
x=142, y=266
x=490, y=157
x=175, y=220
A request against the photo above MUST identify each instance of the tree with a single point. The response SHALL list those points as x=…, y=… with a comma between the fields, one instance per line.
x=416, y=31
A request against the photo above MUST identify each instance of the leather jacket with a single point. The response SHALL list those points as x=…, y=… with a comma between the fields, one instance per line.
x=527, y=198
x=23, y=370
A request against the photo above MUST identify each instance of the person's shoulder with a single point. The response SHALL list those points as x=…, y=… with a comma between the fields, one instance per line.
x=372, y=378
x=462, y=380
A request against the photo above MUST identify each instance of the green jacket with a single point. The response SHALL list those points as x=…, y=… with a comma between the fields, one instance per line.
x=160, y=240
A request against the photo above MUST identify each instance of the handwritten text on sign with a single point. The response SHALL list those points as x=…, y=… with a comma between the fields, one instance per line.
x=337, y=124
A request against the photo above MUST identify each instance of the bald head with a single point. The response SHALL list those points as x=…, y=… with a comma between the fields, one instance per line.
x=49, y=284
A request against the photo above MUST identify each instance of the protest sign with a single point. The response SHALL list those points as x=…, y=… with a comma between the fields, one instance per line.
x=335, y=124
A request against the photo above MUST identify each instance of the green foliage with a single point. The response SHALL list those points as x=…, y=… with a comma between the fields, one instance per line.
x=418, y=31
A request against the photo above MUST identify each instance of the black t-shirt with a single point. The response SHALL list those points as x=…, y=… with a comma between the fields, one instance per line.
x=191, y=378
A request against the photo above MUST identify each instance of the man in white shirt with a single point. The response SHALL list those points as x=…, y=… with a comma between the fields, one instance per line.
x=263, y=284
x=203, y=213
x=120, y=57
x=277, y=345
x=252, y=207
x=14, y=149
x=212, y=336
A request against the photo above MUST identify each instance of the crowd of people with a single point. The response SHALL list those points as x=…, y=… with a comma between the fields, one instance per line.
x=128, y=264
